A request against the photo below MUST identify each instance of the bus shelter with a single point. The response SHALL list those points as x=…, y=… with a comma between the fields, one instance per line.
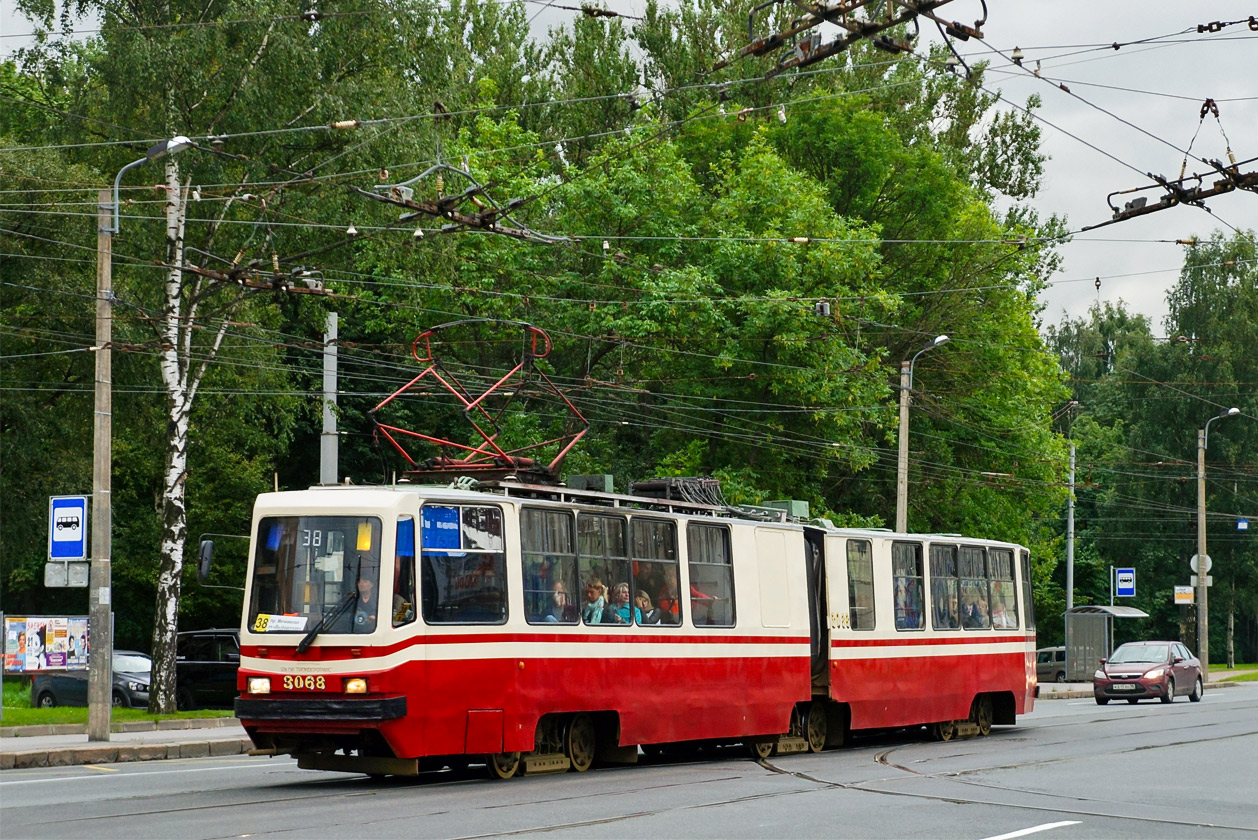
x=1090, y=637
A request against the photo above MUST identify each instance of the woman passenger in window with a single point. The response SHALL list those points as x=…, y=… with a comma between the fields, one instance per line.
x=561, y=608
x=642, y=603
x=620, y=608
x=595, y=602
x=1000, y=618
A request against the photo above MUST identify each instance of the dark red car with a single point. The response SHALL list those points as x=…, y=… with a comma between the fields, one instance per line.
x=1141, y=670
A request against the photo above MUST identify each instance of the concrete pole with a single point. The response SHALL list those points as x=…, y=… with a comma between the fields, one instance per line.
x=902, y=466
x=328, y=441
x=101, y=651
x=1070, y=536
x=1203, y=614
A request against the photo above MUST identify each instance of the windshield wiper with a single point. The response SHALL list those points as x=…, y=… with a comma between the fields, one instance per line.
x=328, y=617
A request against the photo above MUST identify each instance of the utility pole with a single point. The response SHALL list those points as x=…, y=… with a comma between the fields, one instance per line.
x=101, y=646
x=1070, y=536
x=1203, y=559
x=328, y=442
x=902, y=466
x=1203, y=615
x=902, y=462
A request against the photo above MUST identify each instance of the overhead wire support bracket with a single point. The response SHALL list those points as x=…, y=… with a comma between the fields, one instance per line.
x=486, y=218
x=843, y=15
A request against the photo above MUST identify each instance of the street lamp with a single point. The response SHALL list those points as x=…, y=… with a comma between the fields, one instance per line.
x=1203, y=615
x=902, y=469
x=100, y=662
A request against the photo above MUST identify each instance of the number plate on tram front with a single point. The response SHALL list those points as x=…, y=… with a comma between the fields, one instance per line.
x=305, y=682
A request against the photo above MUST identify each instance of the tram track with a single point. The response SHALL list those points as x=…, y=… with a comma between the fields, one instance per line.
x=904, y=764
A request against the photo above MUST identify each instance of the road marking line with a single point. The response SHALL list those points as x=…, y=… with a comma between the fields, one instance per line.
x=130, y=775
x=102, y=769
x=1033, y=829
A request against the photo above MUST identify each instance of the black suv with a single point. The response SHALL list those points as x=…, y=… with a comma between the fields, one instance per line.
x=205, y=669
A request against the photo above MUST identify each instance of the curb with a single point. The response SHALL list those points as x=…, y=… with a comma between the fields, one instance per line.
x=109, y=754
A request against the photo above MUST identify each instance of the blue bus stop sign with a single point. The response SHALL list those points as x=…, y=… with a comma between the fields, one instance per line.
x=1125, y=583
x=67, y=528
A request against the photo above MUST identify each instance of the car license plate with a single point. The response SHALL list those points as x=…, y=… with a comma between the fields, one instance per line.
x=1122, y=687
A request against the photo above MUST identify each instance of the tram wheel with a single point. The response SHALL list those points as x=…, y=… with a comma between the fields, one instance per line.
x=945, y=730
x=502, y=765
x=761, y=750
x=981, y=714
x=580, y=742
x=815, y=728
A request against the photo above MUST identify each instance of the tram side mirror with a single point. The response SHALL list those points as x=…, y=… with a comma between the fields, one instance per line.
x=204, y=554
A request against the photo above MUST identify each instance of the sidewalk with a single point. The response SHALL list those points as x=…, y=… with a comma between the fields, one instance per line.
x=58, y=746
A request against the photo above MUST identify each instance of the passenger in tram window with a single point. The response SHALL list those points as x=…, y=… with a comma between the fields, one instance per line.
x=595, y=602
x=976, y=614
x=1000, y=618
x=620, y=609
x=403, y=590
x=642, y=603
x=667, y=597
x=561, y=609
x=953, y=616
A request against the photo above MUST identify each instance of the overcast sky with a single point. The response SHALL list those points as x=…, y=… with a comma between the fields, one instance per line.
x=1158, y=87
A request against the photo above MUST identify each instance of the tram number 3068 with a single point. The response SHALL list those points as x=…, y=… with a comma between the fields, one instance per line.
x=306, y=683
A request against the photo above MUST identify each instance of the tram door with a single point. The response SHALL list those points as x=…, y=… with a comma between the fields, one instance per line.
x=818, y=623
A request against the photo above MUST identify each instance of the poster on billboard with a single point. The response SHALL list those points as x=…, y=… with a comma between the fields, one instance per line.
x=45, y=643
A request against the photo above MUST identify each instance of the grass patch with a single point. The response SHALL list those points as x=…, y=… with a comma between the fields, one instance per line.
x=18, y=711
x=1248, y=676
x=78, y=714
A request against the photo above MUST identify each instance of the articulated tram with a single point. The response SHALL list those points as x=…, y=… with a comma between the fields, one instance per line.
x=394, y=629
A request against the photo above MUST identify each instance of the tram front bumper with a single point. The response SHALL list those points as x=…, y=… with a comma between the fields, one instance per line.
x=365, y=710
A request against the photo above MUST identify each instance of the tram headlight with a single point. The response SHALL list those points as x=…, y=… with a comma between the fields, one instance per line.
x=259, y=685
x=356, y=685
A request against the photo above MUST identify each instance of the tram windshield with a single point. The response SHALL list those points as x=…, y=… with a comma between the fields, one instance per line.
x=309, y=568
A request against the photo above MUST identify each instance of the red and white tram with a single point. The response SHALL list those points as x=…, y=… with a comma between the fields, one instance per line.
x=543, y=628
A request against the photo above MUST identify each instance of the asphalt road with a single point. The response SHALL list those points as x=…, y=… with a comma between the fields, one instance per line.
x=1070, y=770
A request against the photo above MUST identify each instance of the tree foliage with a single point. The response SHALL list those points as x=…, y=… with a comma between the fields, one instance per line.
x=731, y=268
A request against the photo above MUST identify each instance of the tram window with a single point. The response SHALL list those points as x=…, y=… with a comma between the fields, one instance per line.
x=1028, y=601
x=711, y=575
x=603, y=560
x=404, y=573
x=463, y=569
x=550, y=566
x=1004, y=592
x=906, y=570
x=655, y=568
x=860, y=584
x=944, y=587
x=306, y=566
x=972, y=564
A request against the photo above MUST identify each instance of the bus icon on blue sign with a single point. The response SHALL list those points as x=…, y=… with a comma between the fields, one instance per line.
x=67, y=528
x=1125, y=583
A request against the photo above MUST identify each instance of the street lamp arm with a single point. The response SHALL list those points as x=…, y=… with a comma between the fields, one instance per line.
x=1205, y=434
x=930, y=345
x=167, y=147
x=113, y=228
